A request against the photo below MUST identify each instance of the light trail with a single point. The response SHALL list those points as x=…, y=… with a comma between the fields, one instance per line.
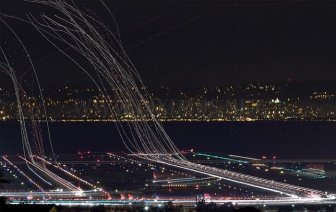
x=6, y=68
x=165, y=31
x=20, y=94
x=186, y=179
x=53, y=176
x=52, y=194
x=270, y=185
x=184, y=201
x=66, y=171
x=220, y=157
x=22, y=173
x=110, y=69
x=243, y=157
x=36, y=135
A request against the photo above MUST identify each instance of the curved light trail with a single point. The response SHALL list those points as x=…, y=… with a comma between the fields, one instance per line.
x=110, y=69
x=27, y=120
x=107, y=65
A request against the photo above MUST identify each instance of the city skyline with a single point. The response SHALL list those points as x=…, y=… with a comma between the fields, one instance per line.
x=249, y=102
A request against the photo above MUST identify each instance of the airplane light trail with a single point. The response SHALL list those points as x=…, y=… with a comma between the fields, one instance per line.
x=111, y=68
x=36, y=134
x=106, y=64
x=66, y=171
x=270, y=185
x=22, y=173
x=176, y=200
x=223, y=158
x=53, y=176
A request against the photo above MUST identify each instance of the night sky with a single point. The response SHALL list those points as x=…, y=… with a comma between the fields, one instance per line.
x=199, y=43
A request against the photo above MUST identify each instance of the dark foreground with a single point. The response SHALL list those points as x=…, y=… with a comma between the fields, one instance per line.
x=168, y=207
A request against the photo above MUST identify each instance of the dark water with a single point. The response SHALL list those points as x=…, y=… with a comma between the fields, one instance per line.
x=284, y=139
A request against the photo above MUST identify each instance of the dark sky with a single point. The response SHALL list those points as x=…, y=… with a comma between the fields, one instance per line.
x=201, y=43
